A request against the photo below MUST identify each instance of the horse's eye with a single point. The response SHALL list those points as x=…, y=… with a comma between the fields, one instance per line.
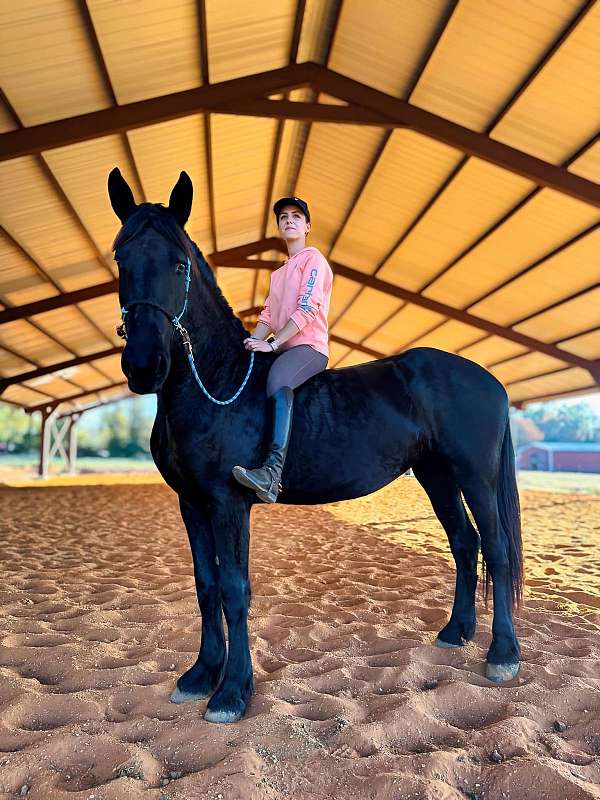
x=180, y=267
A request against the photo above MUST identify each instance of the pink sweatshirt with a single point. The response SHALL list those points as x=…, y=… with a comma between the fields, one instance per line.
x=301, y=290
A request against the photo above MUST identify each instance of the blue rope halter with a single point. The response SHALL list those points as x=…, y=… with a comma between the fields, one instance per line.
x=176, y=322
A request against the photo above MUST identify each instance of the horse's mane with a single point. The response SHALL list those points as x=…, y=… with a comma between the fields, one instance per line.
x=156, y=216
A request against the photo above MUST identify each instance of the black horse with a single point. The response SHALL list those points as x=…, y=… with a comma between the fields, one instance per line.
x=355, y=430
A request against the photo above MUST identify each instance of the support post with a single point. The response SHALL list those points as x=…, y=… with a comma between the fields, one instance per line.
x=45, y=440
x=72, y=445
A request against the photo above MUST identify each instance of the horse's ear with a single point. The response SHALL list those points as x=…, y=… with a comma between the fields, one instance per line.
x=180, y=202
x=121, y=196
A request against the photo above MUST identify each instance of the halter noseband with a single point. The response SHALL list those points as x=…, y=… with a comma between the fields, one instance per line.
x=175, y=320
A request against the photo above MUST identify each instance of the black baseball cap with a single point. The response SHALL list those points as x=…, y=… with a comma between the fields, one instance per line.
x=291, y=201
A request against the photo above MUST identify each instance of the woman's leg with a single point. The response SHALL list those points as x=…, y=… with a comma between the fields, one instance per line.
x=293, y=367
x=288, y=371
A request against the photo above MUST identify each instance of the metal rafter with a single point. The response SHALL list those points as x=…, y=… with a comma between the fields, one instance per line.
x=295, y=40
x=433, y=43
x=48, y=370
x=60, y=400
x=205, y=77
x=46, y=275
x=90, y=28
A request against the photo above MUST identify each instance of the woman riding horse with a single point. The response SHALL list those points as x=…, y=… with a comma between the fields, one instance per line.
x=296, y=311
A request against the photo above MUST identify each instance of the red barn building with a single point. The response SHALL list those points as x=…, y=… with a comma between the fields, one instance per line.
x=560, y=456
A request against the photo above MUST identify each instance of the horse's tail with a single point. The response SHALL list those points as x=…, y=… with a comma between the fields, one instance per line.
x=509, y=512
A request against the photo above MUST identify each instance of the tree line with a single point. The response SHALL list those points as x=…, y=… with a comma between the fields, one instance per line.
x=120, y=430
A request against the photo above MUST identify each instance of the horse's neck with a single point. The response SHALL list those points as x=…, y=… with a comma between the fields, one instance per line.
x=217, y=341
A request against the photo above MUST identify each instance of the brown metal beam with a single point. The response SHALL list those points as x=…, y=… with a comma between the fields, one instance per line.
x=58, y=301
x=457, y=136
x=293, y=54
x=48, y=370
x=128, y=116
x=90, y=29
x=60, y=400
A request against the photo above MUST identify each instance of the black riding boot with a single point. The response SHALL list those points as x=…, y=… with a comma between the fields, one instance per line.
x=266, y=479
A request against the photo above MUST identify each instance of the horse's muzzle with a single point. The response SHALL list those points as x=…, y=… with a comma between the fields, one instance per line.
x=145, y=378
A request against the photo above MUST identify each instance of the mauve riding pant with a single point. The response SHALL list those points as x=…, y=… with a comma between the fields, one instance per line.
x=294, y=366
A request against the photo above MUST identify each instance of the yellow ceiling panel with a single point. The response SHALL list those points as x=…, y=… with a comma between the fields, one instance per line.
x=84, y=375
x=336, y=353
x=335, y=161
x=12, y=365
x=565, y=320
x=20, y=282
x=244, y=38
x=566, y=381
x=104, y=312
x=24, y=396
x=161, y=152
x=82, y=171
x=559, y=110
x=408, y=172
x=569, y=271
x=486, y=52
x=354, y=357
x=410, y=322
x=150, y=49
x=525, y=366
x=52, y=385
x=71, y=328
x=7, y=122
x=47, y=66
x=38, y=219
x=588, y=164
x=476, y=198
x=383, y=45
x=30, y=343
x=451, y=336
x=491, y=349
x=342, y=293
x=368, y=311
x=262, y=287
x=314, y=30
x=587, y=345
x=236, y=285
x=242, y=150
x=111, y=367
x=548, y=220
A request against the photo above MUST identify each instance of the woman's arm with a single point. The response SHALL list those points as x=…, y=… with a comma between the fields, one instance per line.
x=261, y=331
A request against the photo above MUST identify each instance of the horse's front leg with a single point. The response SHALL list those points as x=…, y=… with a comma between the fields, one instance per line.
x=231, y=527
x=204, y=677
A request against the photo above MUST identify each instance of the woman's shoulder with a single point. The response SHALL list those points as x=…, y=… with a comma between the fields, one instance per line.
x=312, y=254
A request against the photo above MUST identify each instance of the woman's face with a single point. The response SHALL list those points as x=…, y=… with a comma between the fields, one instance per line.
x=292, y=224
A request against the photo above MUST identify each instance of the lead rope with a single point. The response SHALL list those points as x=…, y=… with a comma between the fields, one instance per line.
x=185, y=337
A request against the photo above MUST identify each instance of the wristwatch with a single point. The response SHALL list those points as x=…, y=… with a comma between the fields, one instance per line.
x=274, y=343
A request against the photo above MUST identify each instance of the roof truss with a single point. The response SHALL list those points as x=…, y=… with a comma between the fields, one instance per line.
x=249, y=96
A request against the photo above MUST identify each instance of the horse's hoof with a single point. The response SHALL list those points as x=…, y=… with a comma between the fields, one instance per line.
x=449, y=645
x=499, y=673
x=177, y=696
x=222, y=716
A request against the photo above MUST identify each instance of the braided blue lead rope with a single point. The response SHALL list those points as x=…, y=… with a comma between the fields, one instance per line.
x=210, y=397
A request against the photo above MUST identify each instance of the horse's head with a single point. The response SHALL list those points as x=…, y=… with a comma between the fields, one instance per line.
x=153, y=255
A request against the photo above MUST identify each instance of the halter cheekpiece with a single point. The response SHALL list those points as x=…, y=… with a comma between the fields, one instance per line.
x=185, y=337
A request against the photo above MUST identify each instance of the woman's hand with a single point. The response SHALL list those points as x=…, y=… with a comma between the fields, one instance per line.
x=257, y=345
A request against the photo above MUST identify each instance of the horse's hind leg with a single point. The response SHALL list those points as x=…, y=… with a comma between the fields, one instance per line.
x=503, y=655
x=203, y=678
x=444, y=494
